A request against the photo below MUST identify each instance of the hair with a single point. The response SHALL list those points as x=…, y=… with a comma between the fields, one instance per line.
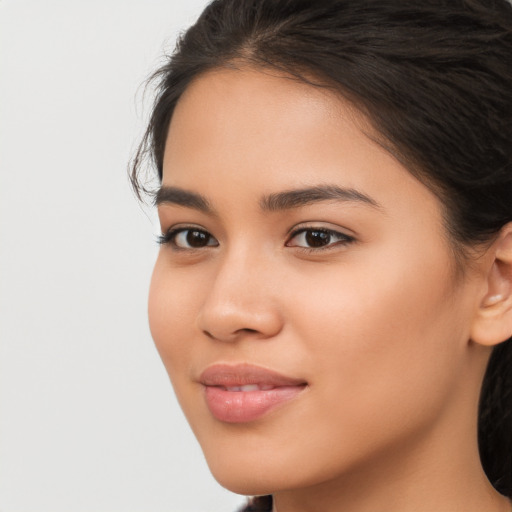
x=434, y=78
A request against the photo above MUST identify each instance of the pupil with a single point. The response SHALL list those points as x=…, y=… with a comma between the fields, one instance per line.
x=197, y=238
x=317, y=238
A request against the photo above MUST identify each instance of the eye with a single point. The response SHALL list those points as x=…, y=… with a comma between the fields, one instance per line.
x=188, y=238
x=317, y=238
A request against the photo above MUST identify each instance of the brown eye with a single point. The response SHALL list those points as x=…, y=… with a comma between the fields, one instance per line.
x=196, y=238
x=317, y=238
x=313, y=238
x=188, y=238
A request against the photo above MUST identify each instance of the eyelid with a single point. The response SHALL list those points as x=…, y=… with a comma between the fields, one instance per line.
x=343, y=238
x=168, y=237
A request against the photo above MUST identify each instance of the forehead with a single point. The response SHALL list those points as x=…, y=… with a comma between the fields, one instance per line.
x=261, y=101
x=247, y=130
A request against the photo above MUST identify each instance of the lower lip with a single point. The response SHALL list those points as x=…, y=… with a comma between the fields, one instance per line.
x=246, y=406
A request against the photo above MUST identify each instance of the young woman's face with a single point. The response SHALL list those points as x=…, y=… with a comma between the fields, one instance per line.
x=305, y=302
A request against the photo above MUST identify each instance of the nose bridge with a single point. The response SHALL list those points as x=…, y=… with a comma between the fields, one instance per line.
x=241, y=298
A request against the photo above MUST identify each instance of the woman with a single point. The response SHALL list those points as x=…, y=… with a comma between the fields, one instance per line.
x=333, y=295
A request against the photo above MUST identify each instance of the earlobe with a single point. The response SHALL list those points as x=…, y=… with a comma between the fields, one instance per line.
x=493, y=321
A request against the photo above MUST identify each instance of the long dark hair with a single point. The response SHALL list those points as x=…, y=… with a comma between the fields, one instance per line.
x=435, y=79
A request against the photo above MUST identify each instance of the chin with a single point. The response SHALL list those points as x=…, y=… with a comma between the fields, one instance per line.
x=249, y=474
x=264, y=471
x=246, y=487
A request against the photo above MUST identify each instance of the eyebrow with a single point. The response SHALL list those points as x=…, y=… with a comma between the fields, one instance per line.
x=301, y=197
x=287, y=200
x=181, y=197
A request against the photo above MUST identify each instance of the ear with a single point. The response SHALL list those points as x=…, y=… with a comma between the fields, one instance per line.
x=492, y=323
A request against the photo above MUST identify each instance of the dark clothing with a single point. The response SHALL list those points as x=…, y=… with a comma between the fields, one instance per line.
x=259, y=504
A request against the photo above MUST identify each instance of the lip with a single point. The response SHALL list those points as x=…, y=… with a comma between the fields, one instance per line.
x=243, y=393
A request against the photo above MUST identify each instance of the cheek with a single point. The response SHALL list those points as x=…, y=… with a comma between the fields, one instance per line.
x=171, y=311
x=383, y=335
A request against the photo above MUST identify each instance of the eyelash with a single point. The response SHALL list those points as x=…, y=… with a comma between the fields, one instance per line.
x=343, y=239
x=169, y=238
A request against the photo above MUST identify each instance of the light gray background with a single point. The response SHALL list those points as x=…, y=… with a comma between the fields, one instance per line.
x=88, y=421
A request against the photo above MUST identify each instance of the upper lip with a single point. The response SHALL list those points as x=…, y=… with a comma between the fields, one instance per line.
x=227, y=375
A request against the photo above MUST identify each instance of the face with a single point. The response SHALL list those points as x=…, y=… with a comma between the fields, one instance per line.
x=304, y=301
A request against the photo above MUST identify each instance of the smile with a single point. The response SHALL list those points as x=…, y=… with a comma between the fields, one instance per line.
x=245, y=393
x=249, y=387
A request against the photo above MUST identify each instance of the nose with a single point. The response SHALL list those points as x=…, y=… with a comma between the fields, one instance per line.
x=242, y=301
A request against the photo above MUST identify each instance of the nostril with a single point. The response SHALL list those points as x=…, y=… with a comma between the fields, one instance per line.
x=229, y=321
x=233, y=335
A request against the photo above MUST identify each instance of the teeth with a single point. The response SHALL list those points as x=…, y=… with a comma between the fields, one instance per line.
x=249, y=387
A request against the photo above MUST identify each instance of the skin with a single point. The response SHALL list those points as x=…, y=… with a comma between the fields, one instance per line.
x=378, y=324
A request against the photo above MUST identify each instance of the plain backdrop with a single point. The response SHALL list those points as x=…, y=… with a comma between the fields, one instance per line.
x=88, y=420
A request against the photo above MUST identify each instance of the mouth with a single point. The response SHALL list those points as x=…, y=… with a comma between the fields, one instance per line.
x=244, y=393
x=247, y=387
